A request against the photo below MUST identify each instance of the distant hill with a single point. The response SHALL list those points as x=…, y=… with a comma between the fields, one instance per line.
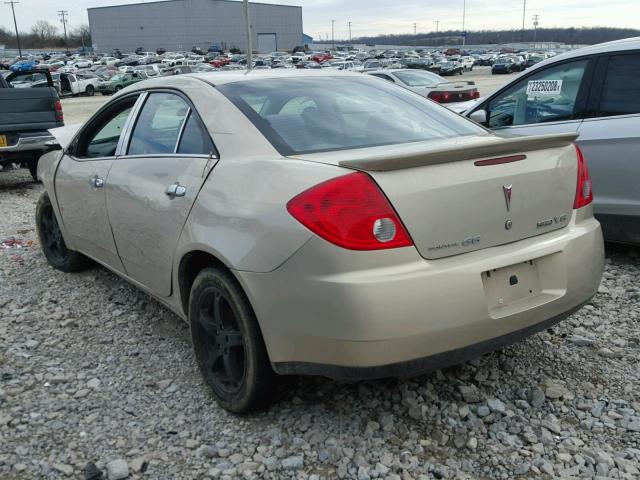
x=582, y=36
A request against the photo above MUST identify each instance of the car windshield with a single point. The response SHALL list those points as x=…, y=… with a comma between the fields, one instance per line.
x=307, y=115
x=419, y=79
x=117, y=78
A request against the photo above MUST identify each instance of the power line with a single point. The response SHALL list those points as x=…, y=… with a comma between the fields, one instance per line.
x=536, y=17
x=15, y=24
x=333, y=41
x=63, y=19
x=524, y=15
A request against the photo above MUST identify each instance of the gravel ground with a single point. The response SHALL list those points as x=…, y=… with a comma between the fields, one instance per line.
x=94, y=371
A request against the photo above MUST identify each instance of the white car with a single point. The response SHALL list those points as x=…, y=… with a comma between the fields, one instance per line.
x=78, y=84
x=172, y=60
x=467, y=63
x=81, y=63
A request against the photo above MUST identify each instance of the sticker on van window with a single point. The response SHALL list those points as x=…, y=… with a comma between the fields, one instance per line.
x=544, y=87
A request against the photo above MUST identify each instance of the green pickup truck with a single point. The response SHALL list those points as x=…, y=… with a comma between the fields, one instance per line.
x=119, y=81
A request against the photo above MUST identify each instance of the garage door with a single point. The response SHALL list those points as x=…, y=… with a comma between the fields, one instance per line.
x=267, y=42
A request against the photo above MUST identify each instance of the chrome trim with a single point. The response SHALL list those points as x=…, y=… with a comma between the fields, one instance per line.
x=27, y=143
x=170, y=155
x=507, y=189
x=182, y=127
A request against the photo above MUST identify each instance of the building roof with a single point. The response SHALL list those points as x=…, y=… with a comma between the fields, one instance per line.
x=136, y=4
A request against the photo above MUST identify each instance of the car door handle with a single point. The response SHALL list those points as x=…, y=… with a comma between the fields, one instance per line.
x=176, y=190
x=97, y=182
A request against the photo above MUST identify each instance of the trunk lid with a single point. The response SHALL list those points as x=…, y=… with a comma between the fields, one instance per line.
x=454, y=198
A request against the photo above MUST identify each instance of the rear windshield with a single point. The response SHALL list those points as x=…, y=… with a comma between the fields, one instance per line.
x=419, y=78
x=315, y=114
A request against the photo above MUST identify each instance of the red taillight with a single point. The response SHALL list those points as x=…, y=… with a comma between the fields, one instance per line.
x=351, y=212
x=584, y=190
x=436, y=97
x=475, y=94
x=58, y=109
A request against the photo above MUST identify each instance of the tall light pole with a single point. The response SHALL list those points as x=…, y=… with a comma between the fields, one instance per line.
x=524, y=14
x=536, y=17
x=63, y=19
x=349, y=32
x=15, y=24
x=437, y=23
x=333, y=38
x=464, y=16
x=247, y=21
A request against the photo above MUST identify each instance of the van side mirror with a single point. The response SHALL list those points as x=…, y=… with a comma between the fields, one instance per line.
x=479, y=116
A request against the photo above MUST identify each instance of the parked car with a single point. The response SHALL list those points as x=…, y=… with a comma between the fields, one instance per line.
x=504, y=65
x=244, y=201
x=26, y=115
x=24, y=66
x=119, y=81
x=467, y=63
x=451, y=68
x=593, y=92
x=78, y=84
x=430, y=85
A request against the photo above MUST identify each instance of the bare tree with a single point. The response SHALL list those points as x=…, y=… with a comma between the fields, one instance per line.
x=44, y=30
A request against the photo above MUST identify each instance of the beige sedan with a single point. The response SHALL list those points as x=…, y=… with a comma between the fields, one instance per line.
x=322, y=223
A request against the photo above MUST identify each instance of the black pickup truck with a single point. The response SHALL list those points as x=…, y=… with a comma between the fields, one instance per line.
x=29, y=107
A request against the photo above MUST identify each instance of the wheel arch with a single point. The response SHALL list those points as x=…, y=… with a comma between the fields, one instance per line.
x=191, y=264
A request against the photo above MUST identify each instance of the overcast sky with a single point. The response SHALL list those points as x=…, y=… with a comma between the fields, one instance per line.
x=371, y=17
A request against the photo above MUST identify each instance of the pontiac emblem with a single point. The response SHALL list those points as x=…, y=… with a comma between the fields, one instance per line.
x=506, y=189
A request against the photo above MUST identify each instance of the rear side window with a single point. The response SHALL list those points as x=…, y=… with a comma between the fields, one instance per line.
x=315, y=114
x=159, y=125
x=195, y=140
x=621, y=90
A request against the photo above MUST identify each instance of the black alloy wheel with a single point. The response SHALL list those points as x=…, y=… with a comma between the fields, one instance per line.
x=228, y=344
x=53, y=245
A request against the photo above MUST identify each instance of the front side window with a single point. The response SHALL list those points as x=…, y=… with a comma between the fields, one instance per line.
x=102, y=136
x=158, y=125
x=546, y=96
x=314, y=114
x=621, y=90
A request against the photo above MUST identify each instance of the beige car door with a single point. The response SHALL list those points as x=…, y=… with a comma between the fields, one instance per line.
x=80, y=181
x=151, y=188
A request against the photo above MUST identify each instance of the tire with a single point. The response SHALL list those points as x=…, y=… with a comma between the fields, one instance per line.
x=90, y=91
x=235, y=365
x=33, y=167
x=51, y=241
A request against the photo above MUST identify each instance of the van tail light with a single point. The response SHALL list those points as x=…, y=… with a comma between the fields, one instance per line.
x=58, y=109
x=584, y=189
x=351, y=212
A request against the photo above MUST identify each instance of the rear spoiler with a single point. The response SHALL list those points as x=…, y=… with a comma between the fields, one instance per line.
x=505, y=146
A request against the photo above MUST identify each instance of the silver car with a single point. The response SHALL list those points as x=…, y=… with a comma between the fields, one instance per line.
x=322, y=222
x=595, y=93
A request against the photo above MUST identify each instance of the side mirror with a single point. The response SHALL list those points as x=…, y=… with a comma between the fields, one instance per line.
x=479, y=116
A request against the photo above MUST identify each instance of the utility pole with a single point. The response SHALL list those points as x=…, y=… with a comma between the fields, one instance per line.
x=333, y=39
x=437, y=23
x=524, y=15
x=349, y=32
x=415, y=28
x=63, y=19
x=464, y=17
x=15, y=24
x=536, y=17
x=247, y=20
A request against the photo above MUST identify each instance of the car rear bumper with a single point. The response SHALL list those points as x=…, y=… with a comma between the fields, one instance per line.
x=355, y=315
x=29, y=141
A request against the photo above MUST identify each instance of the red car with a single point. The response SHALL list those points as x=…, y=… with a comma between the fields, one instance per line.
x=320, y=57
x=219, y=62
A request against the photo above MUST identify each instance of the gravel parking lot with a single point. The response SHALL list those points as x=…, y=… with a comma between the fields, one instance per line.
x=96, y=375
